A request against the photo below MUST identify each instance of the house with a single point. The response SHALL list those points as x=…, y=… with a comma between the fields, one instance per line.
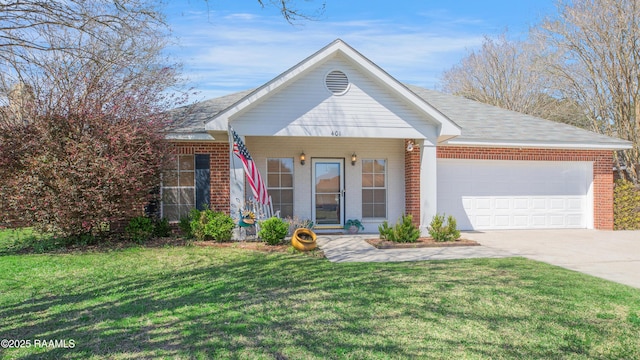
x=336, y=137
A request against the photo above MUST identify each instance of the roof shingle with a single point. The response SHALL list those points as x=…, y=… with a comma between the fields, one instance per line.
x=480, y=123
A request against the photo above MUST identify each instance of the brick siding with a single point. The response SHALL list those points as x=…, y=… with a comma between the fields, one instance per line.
x=219, y=169
x=412, y=182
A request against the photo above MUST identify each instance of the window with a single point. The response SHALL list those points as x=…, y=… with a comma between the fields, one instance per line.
x=374, y=189
x=280, y=184
x=178, y=188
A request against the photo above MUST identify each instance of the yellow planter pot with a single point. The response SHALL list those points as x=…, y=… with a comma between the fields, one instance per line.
x=303, y=239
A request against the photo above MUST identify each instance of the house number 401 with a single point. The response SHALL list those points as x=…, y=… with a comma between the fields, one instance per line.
x=336, y=133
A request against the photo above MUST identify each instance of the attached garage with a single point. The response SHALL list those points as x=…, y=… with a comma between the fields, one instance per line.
x=504, y=194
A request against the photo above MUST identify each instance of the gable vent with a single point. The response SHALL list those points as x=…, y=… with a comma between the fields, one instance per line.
x=337, y=82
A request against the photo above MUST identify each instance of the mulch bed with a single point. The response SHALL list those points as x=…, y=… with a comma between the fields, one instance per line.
x=423, y=242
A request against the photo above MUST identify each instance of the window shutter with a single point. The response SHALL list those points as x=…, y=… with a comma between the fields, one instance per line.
x=203, y=181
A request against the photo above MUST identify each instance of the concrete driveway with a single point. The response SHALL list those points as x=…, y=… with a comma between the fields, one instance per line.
x=611, y=255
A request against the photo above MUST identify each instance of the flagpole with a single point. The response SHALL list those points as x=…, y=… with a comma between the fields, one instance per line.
x=233, y=160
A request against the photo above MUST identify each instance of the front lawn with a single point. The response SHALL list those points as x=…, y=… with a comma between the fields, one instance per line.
x=204, y=302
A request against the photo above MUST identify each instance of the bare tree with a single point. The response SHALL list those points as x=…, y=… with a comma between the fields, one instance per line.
x=593, y=56
x=85, y=88
x=508, y=74
x=290, y=12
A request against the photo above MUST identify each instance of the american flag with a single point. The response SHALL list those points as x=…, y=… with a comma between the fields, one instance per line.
x=253, y=175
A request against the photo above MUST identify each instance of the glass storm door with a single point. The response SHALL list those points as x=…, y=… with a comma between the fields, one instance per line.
x=328, y=192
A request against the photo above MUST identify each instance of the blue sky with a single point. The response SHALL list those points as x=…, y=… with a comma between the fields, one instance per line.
x=232, y=45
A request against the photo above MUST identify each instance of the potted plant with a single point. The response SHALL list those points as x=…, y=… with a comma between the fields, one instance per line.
x=353, y=226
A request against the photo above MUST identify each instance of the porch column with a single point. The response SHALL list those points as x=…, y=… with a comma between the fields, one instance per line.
x=428, y=185
x=412, y=182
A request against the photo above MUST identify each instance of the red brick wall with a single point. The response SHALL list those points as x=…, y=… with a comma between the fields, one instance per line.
x=412, y=182
x=219, y=169
x=602, y=173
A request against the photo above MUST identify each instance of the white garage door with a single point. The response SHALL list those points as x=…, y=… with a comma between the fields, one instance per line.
x=497, y=194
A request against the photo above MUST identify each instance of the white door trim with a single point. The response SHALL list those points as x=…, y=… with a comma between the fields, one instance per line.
x=339, y=194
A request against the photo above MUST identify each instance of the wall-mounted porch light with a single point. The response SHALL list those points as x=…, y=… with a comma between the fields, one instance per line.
x=354, y=158
x=303, y=158
x=410, y=145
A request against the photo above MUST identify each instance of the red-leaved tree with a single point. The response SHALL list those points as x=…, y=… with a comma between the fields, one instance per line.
x=81, y=119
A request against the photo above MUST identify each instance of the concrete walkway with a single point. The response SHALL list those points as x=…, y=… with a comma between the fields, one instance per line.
x=354, y=248
x=611, y=255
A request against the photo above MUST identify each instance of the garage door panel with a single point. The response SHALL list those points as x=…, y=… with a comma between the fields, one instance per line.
x=503, y=204
x=539, y=204
x=576, y=204
x=521, y=220
x=502, y=220
x=536, y=195
x=521, y=204
x=557, y=204
x=574, y=220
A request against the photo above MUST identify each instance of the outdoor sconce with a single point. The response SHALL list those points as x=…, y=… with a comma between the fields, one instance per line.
x=303, y=158
x=354, y=158
x=410, y=146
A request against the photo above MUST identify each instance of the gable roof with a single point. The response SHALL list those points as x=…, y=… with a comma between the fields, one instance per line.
x=460, y=121
x=481, y=124
x=219, y=122
x=484, y=124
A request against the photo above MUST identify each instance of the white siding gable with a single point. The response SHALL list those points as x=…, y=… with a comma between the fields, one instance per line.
x=305, y=107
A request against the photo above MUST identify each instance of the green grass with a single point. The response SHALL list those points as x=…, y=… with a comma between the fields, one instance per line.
x=26, y=240
x=201, y=302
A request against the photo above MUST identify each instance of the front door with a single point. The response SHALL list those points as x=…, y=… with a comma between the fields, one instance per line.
x=328, y=192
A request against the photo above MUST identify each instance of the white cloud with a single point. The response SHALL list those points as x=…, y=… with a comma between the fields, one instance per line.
x=242, y=51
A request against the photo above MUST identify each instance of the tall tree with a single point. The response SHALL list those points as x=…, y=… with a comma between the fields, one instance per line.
x=508, y=74
x=81, y=122
x=83, y=90
x=593, y=56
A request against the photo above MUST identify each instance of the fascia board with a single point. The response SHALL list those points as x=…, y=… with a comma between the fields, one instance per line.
x=543, y=145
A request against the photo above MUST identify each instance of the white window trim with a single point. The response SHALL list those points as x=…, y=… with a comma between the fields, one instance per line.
x=162, y=187
x=386, y=189
x=292, y=188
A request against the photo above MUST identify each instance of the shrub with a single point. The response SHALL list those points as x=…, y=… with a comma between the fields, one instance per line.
x=452, y=228
x=76, y=171
x=208, y=224
x=626, y=206
x=139, y=229
x=403, y=231
x=441, y=232
x=185, y=223
x=273, y=230
x=161, y=228
x=185, y=226
x=386, y=232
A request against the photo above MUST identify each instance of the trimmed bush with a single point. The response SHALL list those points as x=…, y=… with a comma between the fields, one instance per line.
x=386, y=232
x=273, y=230
x=403, y=231
x=185, y=223
x=161, y=228
x=211, y=225
x=626, y=206
x=441, y=232
x=139, y=229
